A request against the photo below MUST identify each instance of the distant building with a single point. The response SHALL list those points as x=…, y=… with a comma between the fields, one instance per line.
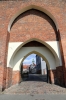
x=40, y=65
x=25, y=68
x=43, y=67
x=32, y=67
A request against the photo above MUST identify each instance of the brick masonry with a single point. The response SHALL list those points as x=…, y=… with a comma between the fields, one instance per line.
x=31, y=24
x=16, y=77
x=9, y=77
x=56, y=76
x=60, y=75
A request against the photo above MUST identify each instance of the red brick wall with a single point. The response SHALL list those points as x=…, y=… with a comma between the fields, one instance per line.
x=33, y=24
x=9, y=77
x=39, y=26
x=56, y=76
x=1, y=78
x=60, y=76
x=16, y=77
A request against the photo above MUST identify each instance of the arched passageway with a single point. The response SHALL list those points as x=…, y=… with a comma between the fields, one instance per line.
x=33, y=46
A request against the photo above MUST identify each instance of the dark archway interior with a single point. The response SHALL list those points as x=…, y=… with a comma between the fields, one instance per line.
x=34, y=44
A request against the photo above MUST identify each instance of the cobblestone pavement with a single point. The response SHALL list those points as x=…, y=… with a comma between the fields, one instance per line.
x=35, y=87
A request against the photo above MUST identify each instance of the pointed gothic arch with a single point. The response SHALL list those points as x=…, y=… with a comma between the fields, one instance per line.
x=42, y=42
x=38, y=53
x=28, y=8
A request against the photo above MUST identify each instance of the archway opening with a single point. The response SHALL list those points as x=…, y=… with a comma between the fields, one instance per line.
x=46, y=50
x=39, y=48
x=34, y=68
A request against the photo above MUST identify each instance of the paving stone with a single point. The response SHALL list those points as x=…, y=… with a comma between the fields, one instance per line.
x=35, y=87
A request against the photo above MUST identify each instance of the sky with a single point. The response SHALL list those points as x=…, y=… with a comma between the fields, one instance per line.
x=29, y=59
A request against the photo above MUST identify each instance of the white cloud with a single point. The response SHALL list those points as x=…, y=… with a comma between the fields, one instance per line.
x=29, y=59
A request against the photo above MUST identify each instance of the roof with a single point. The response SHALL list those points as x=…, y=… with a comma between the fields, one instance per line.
x=25, y=66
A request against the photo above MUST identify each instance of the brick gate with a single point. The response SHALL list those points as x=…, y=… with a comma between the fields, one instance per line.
x=29, y=21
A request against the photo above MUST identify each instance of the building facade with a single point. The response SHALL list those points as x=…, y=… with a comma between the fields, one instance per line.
x=43, y=67
x=40, y=65
x=32, y=26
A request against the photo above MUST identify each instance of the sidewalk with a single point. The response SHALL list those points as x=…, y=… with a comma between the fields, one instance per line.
x=33, y=97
